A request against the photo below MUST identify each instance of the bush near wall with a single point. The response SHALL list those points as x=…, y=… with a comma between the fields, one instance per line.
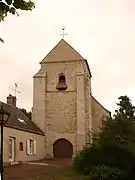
x=111, y=156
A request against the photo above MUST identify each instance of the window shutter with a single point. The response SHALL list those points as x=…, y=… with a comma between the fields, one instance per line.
x=9, y=148
x=28, y=146
x=34, y=147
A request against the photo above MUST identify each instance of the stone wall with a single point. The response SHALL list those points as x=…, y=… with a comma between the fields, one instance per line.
x=60, y=105
x=39, y=99
x=63, y=114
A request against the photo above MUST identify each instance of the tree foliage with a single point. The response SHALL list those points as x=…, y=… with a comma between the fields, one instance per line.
x=11, y=6
x=114, y=147
x=28, y=114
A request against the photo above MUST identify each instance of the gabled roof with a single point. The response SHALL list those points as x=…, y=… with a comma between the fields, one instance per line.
x=18, y=120
x=62, y=52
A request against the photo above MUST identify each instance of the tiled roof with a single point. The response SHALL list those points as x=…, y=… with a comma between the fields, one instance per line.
x=18, y=120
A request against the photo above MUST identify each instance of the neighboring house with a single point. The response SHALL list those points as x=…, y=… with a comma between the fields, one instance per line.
x=23, y=140
x=63, y=105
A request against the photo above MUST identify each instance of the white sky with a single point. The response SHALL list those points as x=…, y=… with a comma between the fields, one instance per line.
x=102, y=31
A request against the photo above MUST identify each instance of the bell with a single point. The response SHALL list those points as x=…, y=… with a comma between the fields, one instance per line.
x=61, y=86
x=62, y=83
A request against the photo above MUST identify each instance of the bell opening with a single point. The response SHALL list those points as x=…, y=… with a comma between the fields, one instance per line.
x=62, y=83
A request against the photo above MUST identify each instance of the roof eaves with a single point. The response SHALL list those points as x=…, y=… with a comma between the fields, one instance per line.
x=25, y=130
x=101, y=105
x=88, y=67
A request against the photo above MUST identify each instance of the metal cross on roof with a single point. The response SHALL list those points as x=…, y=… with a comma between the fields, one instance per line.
x=63, y=33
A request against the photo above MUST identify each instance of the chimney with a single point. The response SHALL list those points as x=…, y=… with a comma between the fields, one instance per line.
x=11, y=100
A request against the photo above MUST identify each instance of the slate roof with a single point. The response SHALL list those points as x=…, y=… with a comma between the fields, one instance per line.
x=18, y=120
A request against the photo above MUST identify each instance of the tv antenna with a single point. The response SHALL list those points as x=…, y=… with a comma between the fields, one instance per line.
x=15, y=89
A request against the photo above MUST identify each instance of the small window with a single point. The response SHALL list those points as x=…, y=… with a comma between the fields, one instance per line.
x=21, y=146
x=31, y=147
x=62, y=83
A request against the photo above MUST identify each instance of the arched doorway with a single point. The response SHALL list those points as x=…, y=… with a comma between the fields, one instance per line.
x=62, y=148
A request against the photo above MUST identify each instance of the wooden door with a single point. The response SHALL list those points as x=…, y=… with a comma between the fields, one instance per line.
x=11, y=149
x=62, y=148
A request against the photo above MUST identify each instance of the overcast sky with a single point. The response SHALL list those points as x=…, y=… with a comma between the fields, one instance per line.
x=102, y=31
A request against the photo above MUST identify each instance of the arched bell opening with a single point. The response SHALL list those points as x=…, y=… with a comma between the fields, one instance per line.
x=62, y=83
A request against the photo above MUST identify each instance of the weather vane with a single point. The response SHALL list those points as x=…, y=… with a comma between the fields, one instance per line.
x=63, y=33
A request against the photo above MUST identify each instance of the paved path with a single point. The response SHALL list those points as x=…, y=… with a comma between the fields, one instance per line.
x=30, y=170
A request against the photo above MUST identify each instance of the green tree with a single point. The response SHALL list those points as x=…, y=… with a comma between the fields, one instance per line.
x=125, y=109
x=113, y=149
x=28, y=114
x=11, y=6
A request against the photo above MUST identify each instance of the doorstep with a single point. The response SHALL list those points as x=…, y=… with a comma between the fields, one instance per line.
x=7, y=164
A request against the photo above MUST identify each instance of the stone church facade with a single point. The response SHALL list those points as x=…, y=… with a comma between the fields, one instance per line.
x=63, y=105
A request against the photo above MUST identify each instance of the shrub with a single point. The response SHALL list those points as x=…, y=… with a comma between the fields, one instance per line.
x=112, y=153
x=87, y=158
x=104, y=172
x=81, y=161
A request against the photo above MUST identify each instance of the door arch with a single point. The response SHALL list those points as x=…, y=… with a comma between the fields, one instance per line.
x=62, y=148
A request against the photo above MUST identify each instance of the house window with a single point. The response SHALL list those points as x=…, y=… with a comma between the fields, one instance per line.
x=61, y=83
x=21, y=146
x=31, y=147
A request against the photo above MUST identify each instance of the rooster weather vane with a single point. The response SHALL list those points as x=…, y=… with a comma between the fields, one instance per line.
x=63, y=33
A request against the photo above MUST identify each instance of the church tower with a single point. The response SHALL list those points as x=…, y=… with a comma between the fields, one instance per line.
x=62, y=101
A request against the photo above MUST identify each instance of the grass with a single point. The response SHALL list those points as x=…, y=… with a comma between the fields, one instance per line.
x=63, y=173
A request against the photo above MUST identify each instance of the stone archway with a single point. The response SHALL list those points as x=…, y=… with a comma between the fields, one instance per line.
x=62, y=148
